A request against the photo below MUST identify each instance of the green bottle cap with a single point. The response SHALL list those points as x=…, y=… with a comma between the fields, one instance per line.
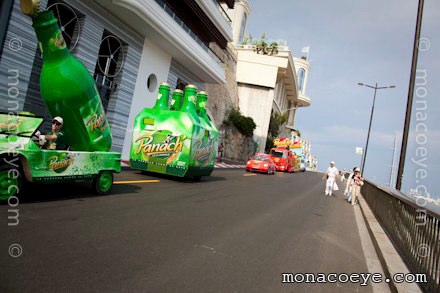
x=191, y=86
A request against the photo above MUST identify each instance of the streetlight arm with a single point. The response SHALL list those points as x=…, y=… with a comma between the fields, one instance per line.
x=376, y=87
x=371, y=119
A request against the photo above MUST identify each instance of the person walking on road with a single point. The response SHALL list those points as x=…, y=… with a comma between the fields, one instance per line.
x=348, y=190
x=356, y=182
x=220, y=151
x=330, y=175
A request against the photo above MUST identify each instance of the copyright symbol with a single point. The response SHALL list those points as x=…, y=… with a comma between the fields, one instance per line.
x=15, y=250
x=15, y=44
x=424, y=44
x=423, y=250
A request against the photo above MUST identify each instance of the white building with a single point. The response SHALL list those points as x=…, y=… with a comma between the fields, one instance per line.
x=267, y=83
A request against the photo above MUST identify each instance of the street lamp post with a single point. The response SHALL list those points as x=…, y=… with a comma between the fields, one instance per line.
x=371, y=118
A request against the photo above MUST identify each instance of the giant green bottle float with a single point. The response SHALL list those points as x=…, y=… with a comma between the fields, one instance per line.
x=67, y=87
x=175, y=141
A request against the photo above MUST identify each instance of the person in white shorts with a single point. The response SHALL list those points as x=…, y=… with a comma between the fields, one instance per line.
x=330, y=175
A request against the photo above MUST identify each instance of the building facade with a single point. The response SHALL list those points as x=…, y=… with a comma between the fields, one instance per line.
x=267, y=83
x=128, y=46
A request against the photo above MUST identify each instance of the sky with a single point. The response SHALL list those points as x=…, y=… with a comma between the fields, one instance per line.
x=369, y=42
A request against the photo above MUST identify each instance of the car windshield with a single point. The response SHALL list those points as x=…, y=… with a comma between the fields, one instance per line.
x=19, y=124
x=278, y=154
x=260, y=158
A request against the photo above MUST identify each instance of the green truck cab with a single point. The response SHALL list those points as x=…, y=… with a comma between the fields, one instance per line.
x=23, y=161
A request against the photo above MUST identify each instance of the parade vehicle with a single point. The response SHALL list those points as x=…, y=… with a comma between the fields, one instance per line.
x=23, y=160
x=283, y=158
x=261, y=163
x=288, y=155
x=176, y=138
x=71, y=96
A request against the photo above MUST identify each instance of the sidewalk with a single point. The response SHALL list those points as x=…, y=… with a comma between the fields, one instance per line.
x=229, y=164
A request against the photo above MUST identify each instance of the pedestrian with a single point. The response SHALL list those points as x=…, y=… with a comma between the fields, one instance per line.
x=348, y=190
x=330, y=175
x=356, y=182
x=220, y=150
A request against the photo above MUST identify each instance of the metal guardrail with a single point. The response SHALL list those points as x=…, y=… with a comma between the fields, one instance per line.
x=414, y=231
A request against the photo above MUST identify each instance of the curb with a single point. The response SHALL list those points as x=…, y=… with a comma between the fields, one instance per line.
x=390, y=260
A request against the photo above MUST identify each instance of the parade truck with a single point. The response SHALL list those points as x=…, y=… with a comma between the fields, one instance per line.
x=71, y=96
x=283, y=158
x=287, y=155
x=300, y=164
x=175, y=138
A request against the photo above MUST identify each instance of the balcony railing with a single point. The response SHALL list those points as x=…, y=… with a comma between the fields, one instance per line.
x=187, y=29
x=223, y=12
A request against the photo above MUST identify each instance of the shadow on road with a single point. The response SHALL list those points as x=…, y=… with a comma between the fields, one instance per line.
x=180, y=179
x=54, y=192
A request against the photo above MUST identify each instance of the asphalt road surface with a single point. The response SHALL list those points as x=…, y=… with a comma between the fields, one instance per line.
x=231, y=232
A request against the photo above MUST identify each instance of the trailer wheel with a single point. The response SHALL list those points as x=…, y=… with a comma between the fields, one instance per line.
x=11, y=184
x=103, y=182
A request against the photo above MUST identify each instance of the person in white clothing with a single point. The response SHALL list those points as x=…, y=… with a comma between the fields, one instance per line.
x=330, y=175
x=348, y=190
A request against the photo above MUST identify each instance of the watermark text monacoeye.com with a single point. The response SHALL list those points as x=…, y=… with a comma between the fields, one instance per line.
x=355, y=278
x=420, y=159
x=12, y=159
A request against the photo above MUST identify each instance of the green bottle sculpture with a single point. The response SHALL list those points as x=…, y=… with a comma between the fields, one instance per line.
x=189, y=102
x=176, y=100
x=67, y=87
x=202, y=100
x=162, y=97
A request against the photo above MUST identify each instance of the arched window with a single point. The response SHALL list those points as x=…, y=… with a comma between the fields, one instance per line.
x=243, y=27
x=301, y=75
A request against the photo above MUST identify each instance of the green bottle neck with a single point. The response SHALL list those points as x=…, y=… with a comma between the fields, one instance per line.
x=176, y=102
x=50, y=38
x=201, y=104
x=162, y=99
x=189, y=102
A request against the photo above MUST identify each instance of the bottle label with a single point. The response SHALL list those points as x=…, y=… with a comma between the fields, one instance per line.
x=192, y=99
x=56, y=42
x=94, y=119
x=162, y=146
x=202, y=105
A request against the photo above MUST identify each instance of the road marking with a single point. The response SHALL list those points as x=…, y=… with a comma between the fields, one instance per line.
x=249, y=174
x=136, y=181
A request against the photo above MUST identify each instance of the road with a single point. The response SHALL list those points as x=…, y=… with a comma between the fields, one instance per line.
x=231, y=232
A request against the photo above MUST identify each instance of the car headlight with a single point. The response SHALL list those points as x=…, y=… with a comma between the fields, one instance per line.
x=266, y=165
x=248, y=162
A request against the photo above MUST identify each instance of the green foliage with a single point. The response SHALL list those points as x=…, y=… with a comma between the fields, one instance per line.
x=245, y=125
x=276, y=121
x=262, y=46
x=269, y=144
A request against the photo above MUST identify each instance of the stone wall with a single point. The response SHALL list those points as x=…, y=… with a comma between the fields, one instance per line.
x=237, y=147
x=222, y=98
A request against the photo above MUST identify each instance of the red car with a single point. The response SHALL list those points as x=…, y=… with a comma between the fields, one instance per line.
x=283, y=158
x=261, y=163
